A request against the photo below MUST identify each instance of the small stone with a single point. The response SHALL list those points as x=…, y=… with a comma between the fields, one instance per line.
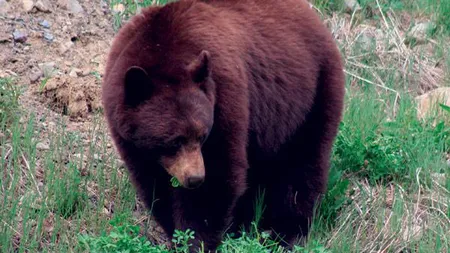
x=4, y=37
x=367, y=42
x=34, y=77
x=71, y=5
x=439, y=178
x=419, y=32
x=97, y=157
x=20, y=36
x=352, y=5
x=4, y=7
x=44, y=23
x=118, y=8
x=85, y=72
x=48, y=36
x=106, y=211
x=428, y=104
x=42, y=146
x=43, y=6
x=2, y=135
x=27, y=5
x=47, y=68
x=64, y=47
x=73, y=73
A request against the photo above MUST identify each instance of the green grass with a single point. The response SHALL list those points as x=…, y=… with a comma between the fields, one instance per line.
x=131, y=7
x=437, y=11
x=389, y=184
x=9, y=100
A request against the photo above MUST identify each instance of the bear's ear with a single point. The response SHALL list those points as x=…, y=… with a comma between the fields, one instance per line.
x=138, y=86
x=200, y=68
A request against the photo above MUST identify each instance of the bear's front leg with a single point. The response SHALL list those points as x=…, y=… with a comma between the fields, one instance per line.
x=206, y=211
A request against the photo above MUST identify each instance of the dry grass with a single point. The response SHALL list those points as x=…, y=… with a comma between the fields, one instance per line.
x=390, y=219
x=384, y=45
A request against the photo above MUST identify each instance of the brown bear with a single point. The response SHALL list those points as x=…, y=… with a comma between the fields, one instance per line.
x=228, y=97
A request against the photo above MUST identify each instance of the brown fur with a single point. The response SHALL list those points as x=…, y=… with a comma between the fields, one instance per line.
x=260, y=80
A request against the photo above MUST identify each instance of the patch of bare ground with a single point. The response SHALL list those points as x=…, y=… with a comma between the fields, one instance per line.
x=62, y=47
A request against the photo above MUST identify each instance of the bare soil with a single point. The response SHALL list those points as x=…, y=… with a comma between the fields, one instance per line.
x=61, y=61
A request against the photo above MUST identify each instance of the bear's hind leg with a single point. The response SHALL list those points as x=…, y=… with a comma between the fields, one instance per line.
x=302, y=169
x=290, y=207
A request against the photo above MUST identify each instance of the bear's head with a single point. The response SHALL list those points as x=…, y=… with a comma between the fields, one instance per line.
x=168, y=116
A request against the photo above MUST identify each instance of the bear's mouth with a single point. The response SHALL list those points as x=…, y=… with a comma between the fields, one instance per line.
x=187, y=167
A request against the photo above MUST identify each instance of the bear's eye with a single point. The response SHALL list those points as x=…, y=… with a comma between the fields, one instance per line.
x=175, y=145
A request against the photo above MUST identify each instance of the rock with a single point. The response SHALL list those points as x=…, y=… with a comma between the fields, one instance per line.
x=64, y=47
x=28, y=5
x=367, y=42
x=74, y=73
x=43, y=6
x=72, y=6
x=48, y=36
x=20, y=36
x=4, y=36
x=34, y=76
x=428, y=103
x=47, y=68
x=42, y=146
x=118, y=8
x=97, y=157
x=439, y=178
x=352, y=5
x=419, y=32
x=85, y=72
x=44, y=23
x=4, y=7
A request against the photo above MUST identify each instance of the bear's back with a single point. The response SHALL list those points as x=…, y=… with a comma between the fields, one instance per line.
x=279, y=47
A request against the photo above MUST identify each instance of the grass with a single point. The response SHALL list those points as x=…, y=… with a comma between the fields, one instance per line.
x=389, y=185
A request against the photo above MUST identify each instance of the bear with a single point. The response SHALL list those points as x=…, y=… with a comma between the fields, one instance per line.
x=229, y=97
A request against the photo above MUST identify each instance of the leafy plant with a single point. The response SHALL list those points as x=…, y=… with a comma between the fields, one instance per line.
x=181, y=240
x=174, y=181
x=123, y=237
x=314, y=247
x=9, y=99
x=252, y=242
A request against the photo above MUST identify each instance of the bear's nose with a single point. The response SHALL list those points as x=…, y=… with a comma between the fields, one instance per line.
x=194, y=181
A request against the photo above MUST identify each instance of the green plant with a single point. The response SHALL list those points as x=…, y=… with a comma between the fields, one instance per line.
x=174, y=181
x=44, y=83
x=181, y=240
x=131, y=7
x=313, y=247
x=252, y=242
x=333, y=200
x=9, y=99
x=123, y=237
